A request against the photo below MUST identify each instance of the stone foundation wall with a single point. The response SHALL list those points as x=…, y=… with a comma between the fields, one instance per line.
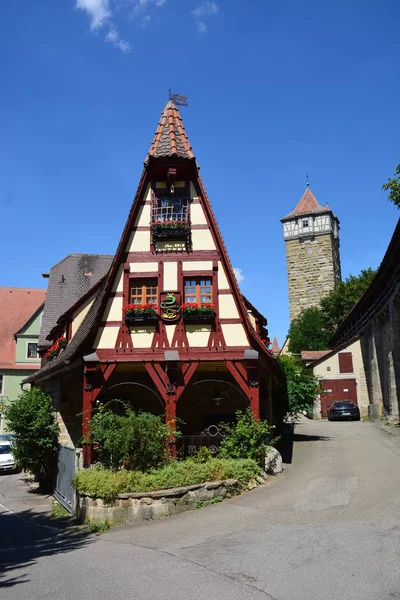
x=129, y=509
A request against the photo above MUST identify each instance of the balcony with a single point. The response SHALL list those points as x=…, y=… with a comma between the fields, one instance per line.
x=170, y=219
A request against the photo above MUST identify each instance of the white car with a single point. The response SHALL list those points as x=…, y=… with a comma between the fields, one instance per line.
x=7, y=461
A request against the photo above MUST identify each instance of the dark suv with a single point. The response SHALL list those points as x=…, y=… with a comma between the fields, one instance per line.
x=343, y=409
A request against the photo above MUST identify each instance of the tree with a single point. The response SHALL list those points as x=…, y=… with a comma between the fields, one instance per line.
x=393, y=185
x=302, y=386
x=337, y=305
x=31, y=417
x=308, y=332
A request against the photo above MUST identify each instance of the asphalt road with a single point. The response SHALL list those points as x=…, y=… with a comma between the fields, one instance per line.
x=327, y=528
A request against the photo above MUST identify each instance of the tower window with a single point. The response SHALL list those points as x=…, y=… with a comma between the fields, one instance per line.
x=305, y=223
x=170, y=208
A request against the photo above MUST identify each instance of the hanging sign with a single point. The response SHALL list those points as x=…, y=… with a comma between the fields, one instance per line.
x=170, y=306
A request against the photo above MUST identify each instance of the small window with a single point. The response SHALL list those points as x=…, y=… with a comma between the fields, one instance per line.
x=1, y=385
x=171, y=208
x=198, y=291
x=328, y=368
x=31, y=350
x=305, y=223
x=143, y=291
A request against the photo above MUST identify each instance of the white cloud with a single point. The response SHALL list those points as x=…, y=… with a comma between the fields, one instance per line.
x=205, y=9
x=98, y=11
x=238, y=274
x=100, y=16
x=146, y=20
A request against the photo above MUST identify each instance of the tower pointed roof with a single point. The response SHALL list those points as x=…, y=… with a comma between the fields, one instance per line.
x=308, y=205
x=275, y=347
x=170, y=138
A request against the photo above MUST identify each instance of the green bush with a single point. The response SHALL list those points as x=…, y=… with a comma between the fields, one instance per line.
x=107, y=484
x=245, y=438
x=31, y=417
x=133, y=440
x=202, y=455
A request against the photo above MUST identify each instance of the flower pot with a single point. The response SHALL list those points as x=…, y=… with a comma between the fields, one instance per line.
x=199, y=317
x=170, y=234
x=132, y=319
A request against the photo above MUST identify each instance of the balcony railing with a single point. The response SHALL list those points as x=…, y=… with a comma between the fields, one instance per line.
x=170, y=220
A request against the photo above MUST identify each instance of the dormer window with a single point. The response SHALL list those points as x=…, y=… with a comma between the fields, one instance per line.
x=305, y=222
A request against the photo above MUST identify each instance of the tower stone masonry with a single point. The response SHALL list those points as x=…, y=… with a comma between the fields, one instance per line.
x=311, y=234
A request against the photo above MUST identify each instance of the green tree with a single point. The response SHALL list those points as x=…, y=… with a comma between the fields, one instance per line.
x=336, y=306
x=133, y=440
x=308, y=332
x=31, y=417
x=303, y=388
x=393, y=185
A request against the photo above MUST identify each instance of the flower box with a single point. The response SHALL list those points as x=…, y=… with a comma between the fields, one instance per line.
x=140, y=313
x=169, y=230
x=198, y=313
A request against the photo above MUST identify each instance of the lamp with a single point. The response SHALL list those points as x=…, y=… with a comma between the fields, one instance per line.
x=172, y=189
x=217, y=397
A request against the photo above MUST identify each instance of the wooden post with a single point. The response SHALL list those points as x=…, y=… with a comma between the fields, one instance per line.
x=86, y=416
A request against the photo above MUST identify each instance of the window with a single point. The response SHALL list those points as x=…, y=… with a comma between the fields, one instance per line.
x=31, y=351
x=171, y=208
x=143, y=291
x=198, y=291
x=345, y=362
x=328, y=368
x=305, y=223
x=1, y=385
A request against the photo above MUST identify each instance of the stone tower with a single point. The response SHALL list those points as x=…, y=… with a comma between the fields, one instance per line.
x=311, y=234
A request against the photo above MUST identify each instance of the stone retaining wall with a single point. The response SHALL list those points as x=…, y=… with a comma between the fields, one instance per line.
x=129, y=509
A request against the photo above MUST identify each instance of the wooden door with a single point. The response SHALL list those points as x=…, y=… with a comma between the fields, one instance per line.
x=337, y=389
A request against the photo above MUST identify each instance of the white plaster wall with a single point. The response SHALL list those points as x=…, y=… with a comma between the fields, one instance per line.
x=198, y=335
x=252, y=319
x=202, y=240
x=234, y=335
x=145, y=267
x=227, y=307
x=139, y=241
x=222, y=278
x=170, y=276
x=80, y=314
x=118, y=285
x=170, y=330
x=113, y=311
x=142, y=336
x=143, y=216
x=197, y=265
x=106, y=338
x=197, y=215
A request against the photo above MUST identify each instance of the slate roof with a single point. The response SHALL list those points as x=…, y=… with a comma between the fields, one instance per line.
x=308, y=205
x=170, y=138
x=17, y=305
x=70, y=280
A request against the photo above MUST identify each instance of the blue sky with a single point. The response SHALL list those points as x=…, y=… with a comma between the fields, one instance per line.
x=276, y=90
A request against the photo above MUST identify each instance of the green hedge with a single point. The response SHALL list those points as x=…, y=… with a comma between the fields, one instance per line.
x=107, y=484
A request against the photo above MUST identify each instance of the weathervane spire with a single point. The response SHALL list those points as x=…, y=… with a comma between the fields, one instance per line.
x=177, y=99
x=307, y=181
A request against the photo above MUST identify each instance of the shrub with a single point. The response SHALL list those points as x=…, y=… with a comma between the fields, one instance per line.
x=31, y=417
x=133, y=440
x=202, y=455
x=245, y=438
x=107, y=484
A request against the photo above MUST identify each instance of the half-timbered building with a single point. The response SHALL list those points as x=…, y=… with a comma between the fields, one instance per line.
x=167, y=328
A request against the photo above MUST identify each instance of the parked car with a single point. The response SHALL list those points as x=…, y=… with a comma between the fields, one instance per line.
x=343, y=409
x=7, y=461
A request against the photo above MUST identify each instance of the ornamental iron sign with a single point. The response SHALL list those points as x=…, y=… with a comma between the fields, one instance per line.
x=170, y=306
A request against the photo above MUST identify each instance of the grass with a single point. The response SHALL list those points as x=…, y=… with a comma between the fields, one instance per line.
x=106, y=484
x=98, y=528
x=203, y=503
x=58, y=511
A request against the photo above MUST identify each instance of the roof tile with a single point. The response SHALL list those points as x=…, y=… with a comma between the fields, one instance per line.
x=170, y=138
x=308, y=205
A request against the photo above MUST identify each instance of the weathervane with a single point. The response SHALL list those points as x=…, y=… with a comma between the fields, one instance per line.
x=178, y=99
x=307, y=181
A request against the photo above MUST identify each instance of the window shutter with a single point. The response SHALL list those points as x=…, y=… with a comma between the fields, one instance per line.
x=345, y=362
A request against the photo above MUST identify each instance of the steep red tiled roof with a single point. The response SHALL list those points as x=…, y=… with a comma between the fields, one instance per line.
x=311, y=355
x=17, y=305
x=170, y=138
x=308, y=205
x=275, y=347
